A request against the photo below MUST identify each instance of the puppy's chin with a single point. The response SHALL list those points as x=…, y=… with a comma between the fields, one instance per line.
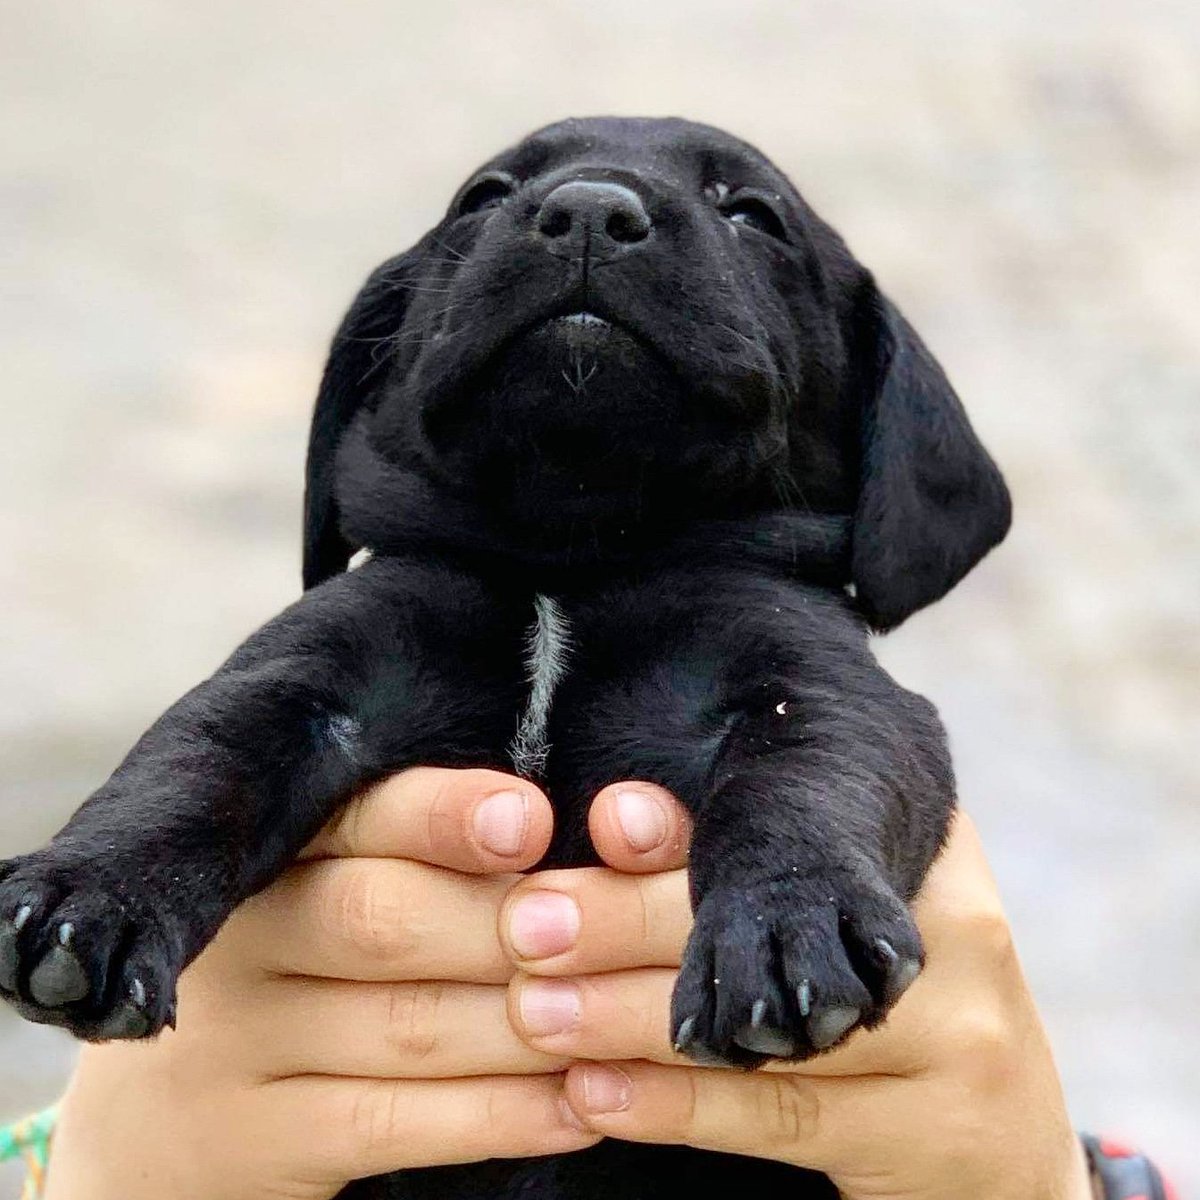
x=581, y=374
x=565, y=422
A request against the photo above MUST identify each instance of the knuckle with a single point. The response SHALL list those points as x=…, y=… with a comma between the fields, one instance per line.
x=411, y=1020
x=366, y=916
x=990, y=933
x=645, y=926
x=685, y=1120
x=494, y=1113
x=378, y=1118
x=788, y=1109
x=983, y=1047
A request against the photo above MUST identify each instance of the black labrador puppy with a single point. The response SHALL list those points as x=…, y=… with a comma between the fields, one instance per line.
x=640, y=455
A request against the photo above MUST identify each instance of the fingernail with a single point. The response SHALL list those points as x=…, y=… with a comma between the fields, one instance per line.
x=642, y=819
x=567, y=1113
x=542, y=924
x=500, y=823
x=605, y=1089
x=548, y=1006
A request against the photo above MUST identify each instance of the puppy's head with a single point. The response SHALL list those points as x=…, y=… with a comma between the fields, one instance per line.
x=622, y=324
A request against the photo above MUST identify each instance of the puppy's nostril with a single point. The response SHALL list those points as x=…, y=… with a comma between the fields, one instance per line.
x=627, y=225
x=555, y=224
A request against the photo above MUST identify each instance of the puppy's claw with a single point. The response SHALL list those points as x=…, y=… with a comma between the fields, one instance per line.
x=58, y=979
x=697, y=1051
x=683, y=1034
x=829, y=1024
x=9, y=959
x=804, y=998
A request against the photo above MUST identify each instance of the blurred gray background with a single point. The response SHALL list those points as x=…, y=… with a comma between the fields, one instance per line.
x=191, y=193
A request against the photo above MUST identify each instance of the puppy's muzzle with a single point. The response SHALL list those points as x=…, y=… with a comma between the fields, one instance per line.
x=592, y=220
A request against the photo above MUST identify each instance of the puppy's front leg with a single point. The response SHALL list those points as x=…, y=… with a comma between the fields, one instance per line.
x=360, y=677
x=830, y=798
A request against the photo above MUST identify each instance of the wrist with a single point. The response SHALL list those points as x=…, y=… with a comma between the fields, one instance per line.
x=79, y=1166
x=109, y=1132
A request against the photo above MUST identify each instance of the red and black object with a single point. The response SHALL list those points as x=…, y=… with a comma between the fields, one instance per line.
x=1125, y=1173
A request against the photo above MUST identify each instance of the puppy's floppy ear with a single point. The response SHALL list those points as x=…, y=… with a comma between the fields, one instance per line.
x=355, y=368
x=931, y=501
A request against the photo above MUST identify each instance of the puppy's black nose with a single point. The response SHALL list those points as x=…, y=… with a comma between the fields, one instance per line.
x=603, y=218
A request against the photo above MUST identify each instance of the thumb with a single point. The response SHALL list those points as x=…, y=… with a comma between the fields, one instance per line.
x=639, y=828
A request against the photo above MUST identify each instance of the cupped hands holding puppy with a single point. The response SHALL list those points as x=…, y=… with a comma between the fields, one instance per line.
x=403, y=998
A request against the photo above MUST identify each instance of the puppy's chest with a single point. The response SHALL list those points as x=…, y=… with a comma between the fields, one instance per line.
x=547, y=650
x=620, y=685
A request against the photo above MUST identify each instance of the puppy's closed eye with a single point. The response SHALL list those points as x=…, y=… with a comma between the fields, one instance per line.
x=755, y=212
x=488, y=192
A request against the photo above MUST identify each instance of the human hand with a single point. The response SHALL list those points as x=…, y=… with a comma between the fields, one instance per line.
x=956, y=1094
x=335, y=1001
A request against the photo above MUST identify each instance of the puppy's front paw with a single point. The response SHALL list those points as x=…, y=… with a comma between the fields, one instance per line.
x=77, y=951
x=787, y=967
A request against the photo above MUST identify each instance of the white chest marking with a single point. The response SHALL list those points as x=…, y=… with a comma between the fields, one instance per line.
x=547, y=647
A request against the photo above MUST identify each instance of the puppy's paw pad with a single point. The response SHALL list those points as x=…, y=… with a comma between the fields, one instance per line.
x=687, y=1042
x=73, y=953
x=764, y=1036
x=59, y=978
x=828, y=1025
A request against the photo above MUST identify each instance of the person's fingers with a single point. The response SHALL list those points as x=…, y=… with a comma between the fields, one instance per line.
x=639, y=827
x=469, y=820
x=353, y=1128
x=627, y=1015
x=373, y=919
x=385, y=1031
x=817, y=1123
x=593, y=920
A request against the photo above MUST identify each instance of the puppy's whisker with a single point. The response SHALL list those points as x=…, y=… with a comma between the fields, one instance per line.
x=456, y=254
x=744, y=338
x=422, y=287
x=390, y=337
x=577, y=379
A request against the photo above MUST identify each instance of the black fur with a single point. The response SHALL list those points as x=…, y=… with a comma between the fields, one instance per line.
x=631, y=369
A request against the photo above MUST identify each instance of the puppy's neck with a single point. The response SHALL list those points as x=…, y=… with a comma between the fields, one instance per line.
x=392, y=510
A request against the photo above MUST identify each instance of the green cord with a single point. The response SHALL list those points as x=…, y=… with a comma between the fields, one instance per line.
x=29, y=1138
